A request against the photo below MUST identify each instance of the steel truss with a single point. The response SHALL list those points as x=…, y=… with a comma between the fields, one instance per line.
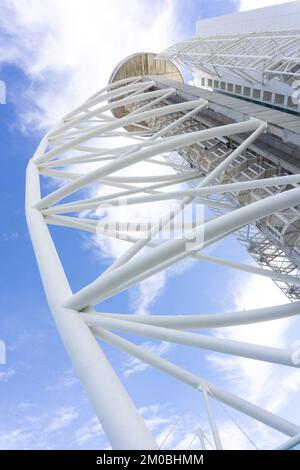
x=91, y=134
x=270, y=54
x=273, y=242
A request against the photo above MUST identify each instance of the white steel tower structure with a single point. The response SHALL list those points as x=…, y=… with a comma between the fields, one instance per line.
x=226, y=163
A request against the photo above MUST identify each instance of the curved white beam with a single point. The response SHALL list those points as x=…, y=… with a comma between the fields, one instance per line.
x=193, y=380
x=212, y=320
x=157, y=128
x=175, y=250
x=227, y=346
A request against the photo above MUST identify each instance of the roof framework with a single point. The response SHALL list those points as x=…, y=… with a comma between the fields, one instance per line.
x=267, y=54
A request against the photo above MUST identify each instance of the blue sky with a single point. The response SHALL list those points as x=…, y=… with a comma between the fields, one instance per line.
x=52, y=55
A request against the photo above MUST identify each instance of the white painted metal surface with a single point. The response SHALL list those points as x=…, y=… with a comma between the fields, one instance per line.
x=280, y=17
x=271, y=53
x=252, y=55
x=89, y=147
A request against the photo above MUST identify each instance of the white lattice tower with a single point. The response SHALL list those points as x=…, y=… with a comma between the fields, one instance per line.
x=90, y=146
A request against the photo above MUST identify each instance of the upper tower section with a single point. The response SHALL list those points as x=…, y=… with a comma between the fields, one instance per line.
x=283, y=17
x=253, y=55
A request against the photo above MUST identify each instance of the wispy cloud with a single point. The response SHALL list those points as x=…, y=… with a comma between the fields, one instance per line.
x=6, y=375
x=9, y=236
x=132, y=365
x=263, y=383
x=37, y=431
x=64, y=380
x=64, y=416
x=25, y=405
x=89, y=431
x=68, y=49
x=172, y=429
x=147, y=292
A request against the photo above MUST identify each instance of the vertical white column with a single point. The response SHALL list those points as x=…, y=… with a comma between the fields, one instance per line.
x=201, y=439
x=119, y=417
x=212, y=421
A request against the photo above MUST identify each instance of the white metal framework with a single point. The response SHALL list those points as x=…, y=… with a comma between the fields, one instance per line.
x=89, y=147
x=275, y=53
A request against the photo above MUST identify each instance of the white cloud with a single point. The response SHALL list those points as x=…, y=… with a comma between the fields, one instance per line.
x=132, y=365
x=18, y=438
x=148, y=291
x=154, y=414
x=145, y=294
x=36, y=431
x=263, y=383
x=25, y=405
x=5, y=375
x=63, y=417
x=65, y=379
x=232, y=437
x=68, y=51
x=172, y=429
x=177, y=429
x=68, y=48
x=292, y=382
x=89, y=431
x=7, y=237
